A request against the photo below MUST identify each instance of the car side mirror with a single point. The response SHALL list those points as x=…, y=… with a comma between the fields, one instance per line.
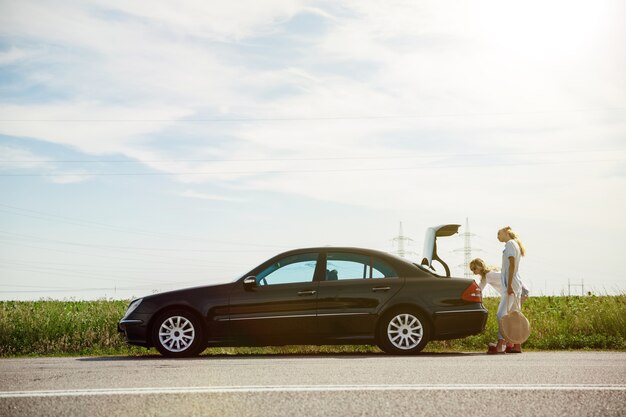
x=249, y=283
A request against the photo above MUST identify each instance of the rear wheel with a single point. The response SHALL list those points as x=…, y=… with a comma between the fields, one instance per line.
x=403, y=332
x=177, y=334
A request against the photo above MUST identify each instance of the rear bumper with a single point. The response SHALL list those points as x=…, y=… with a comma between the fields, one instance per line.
x=452, y=324
x=135, y=332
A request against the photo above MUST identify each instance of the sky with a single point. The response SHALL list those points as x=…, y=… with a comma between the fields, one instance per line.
x=148, y=148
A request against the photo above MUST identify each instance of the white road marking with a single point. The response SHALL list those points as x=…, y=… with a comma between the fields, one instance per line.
x=310, y=388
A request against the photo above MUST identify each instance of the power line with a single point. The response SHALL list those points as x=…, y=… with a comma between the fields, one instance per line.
x=91, y=223
x=307, y=171
x=149, y=283
x=150, y=256
x=74, y=274
x=77, y=290
x=181, y=268
x=90, y=254
x=93, y=274
x=424, y=155
x=316, y=118
x=34, y=286
x=127, y=248
x=547, y=262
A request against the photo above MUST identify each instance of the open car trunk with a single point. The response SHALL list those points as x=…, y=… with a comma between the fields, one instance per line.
x=430, y=245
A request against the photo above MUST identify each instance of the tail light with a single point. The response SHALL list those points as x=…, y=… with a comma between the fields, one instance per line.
x=473, y=293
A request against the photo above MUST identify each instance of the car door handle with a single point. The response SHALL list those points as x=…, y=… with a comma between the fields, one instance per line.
x=313, y=292
x=380, y=289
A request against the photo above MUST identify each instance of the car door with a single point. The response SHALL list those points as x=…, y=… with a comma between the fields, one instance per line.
x=281, y=306
x=351, y=293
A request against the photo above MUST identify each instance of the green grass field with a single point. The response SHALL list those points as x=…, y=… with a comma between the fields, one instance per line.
x=89, y=328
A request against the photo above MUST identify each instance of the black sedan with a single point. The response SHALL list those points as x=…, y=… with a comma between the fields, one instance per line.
x=317, y=296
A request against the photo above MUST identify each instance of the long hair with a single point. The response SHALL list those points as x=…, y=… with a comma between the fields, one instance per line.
x=516, y=238
x=486, y=268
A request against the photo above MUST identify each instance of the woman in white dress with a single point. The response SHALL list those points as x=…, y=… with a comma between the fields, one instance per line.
x=506, y=281
x=511, y=283
x=489, y=274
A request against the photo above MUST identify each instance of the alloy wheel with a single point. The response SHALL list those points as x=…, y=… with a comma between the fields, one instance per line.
x=405, y=331
x=176, y=333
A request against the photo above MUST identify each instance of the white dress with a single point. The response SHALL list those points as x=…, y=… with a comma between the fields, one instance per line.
x=511, y=249
x=494, y=279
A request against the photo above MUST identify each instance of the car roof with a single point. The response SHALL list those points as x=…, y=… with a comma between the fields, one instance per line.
x=402, y=266
x=378, y=253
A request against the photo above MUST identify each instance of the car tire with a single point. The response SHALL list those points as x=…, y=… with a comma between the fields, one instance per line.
x=178, y=334
x=403, y=332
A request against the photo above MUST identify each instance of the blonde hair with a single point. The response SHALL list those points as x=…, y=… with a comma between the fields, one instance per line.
x=514, y=236
x=486, y=268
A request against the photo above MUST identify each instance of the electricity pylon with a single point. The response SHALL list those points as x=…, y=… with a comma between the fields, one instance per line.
x=467, y=250
x=399, y=241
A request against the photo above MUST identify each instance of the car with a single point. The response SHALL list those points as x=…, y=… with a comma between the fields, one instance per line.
x=315, y=296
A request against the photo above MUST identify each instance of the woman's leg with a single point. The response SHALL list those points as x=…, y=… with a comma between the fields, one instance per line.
x=518, y=346
x=525, y=294
x=501, y=312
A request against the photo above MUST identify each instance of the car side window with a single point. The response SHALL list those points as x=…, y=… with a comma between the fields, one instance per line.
x=340, y=266
x=382, y=269
x=289, y=270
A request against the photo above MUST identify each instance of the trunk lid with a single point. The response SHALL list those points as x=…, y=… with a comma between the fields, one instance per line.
x=430, y=244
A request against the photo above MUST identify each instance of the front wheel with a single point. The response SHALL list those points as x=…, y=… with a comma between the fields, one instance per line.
x=177, y=334
x=403, y=332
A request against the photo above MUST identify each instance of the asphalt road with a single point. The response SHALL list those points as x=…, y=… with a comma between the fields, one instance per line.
x=446, y=384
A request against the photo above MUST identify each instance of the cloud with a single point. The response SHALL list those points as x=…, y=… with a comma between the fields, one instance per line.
x=432, y=110
x=92, y=127
x=14, y=55
x=16, y=160
x=19, y=158
x=205, y=196
x=234, y=94
x=211, y=20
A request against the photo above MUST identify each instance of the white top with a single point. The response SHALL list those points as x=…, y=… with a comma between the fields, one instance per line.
x=491, y=278
x=494, y=279
x=511, y=249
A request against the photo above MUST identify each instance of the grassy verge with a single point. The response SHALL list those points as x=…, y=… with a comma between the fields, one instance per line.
x=89, y=328
x=560, y=323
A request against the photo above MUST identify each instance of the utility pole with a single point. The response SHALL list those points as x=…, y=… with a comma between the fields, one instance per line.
x=400, y=241
x=570, y=285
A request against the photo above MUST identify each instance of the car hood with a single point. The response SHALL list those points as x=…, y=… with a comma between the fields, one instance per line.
x=191, y=291
x=430, y=244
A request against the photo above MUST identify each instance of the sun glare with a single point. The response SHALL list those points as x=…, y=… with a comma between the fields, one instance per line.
x=542, y=29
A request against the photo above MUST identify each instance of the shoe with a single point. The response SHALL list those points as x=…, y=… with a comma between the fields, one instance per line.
x=492, y=349
x=510, y=348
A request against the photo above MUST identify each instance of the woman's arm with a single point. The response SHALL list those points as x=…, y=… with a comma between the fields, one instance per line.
x=511, y=274
x=483, y=283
